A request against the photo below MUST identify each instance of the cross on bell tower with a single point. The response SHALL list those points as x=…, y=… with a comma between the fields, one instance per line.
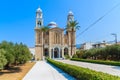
x=39, y=19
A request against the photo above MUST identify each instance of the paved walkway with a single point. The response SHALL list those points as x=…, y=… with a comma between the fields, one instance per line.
x=45, y=71
x=113, y=70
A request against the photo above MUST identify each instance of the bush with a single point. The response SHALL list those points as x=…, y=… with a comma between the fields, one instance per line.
x=108, y=53
x=15, y=53
x=75, y=56
x=82, y=73
x=80, y=53
x=67, y=56
x=3, y=60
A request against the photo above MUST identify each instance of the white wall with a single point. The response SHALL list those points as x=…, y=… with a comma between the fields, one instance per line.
x=32, y=50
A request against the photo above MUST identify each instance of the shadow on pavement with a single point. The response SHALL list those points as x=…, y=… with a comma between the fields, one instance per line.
x=116, y=67
x=67, y=76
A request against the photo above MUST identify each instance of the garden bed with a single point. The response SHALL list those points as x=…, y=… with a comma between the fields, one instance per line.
x=82, y=73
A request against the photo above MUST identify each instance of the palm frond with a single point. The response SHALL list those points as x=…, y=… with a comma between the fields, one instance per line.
x=45, y=28
x=73, y=25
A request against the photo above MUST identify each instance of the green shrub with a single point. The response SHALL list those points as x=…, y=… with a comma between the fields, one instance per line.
x=80, y=53
x=15, y=53
x=107, y=53
x=114, y=63
x=82, y=73
x=67, y=56
x=75, y=56
x=3, y=60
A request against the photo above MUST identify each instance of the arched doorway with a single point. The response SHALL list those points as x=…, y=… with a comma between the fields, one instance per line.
x=56, y=53
x=66, y=51
x=46, y=52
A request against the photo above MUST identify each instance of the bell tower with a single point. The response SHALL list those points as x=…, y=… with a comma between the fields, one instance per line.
x=39, y=35
x=70, y=17
x=71, y=34
x=39, y=18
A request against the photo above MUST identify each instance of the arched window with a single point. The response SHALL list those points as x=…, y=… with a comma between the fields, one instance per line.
x=39, y=23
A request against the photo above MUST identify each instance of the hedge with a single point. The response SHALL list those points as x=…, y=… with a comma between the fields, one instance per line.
x=113, y=63
x=107, y=53
x=82, y=73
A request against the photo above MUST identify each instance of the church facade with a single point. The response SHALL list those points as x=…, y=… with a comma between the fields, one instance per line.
x=56, y=42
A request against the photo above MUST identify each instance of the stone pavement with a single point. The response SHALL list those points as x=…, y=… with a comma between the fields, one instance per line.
x=45, y=71
x=113, y=70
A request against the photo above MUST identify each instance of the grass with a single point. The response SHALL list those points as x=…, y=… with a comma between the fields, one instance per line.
x=81, y=73
x=113, y=63
x=17, y=72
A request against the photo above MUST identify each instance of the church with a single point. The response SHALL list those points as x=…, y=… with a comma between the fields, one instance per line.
x=57, y=41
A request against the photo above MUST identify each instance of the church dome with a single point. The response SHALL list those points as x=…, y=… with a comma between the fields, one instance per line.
x=70, y=13
x=52, y=24
x=39, y=10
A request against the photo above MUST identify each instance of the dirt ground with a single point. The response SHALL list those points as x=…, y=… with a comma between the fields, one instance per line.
x=16, y=73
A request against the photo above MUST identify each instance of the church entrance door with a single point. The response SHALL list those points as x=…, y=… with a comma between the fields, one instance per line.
x=66, y=51
x=46, y=52
x=56, y=53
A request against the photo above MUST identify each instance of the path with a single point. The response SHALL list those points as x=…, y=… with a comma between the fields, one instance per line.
x=45, y=71
x=113, y=70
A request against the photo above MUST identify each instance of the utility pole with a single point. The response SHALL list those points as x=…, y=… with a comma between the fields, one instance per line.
x=115, y=35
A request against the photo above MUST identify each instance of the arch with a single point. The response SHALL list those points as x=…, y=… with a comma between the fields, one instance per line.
x=46, y=52
x=56, y=52
x=65, y=51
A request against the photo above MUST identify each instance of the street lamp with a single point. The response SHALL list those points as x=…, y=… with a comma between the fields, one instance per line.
x=115, y=35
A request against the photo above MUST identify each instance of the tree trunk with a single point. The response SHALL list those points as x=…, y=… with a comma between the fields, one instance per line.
x=71, y=41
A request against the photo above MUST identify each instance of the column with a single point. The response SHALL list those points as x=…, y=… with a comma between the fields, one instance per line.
x=59, y=53
x=42, y=47
x=53, y=53
x=63, y=53
x=69, y=51
x=42, y=52
x=50, y=53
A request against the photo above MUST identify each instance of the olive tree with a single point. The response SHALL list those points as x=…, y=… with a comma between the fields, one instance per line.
x=3, y=60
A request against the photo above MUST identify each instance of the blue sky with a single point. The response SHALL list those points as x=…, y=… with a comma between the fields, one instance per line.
x=17, y=18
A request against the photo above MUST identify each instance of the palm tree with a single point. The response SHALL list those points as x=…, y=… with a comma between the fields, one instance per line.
x=44, y=29
x=72, y=26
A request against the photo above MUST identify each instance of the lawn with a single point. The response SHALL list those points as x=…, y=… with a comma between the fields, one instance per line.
x=17, y=72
